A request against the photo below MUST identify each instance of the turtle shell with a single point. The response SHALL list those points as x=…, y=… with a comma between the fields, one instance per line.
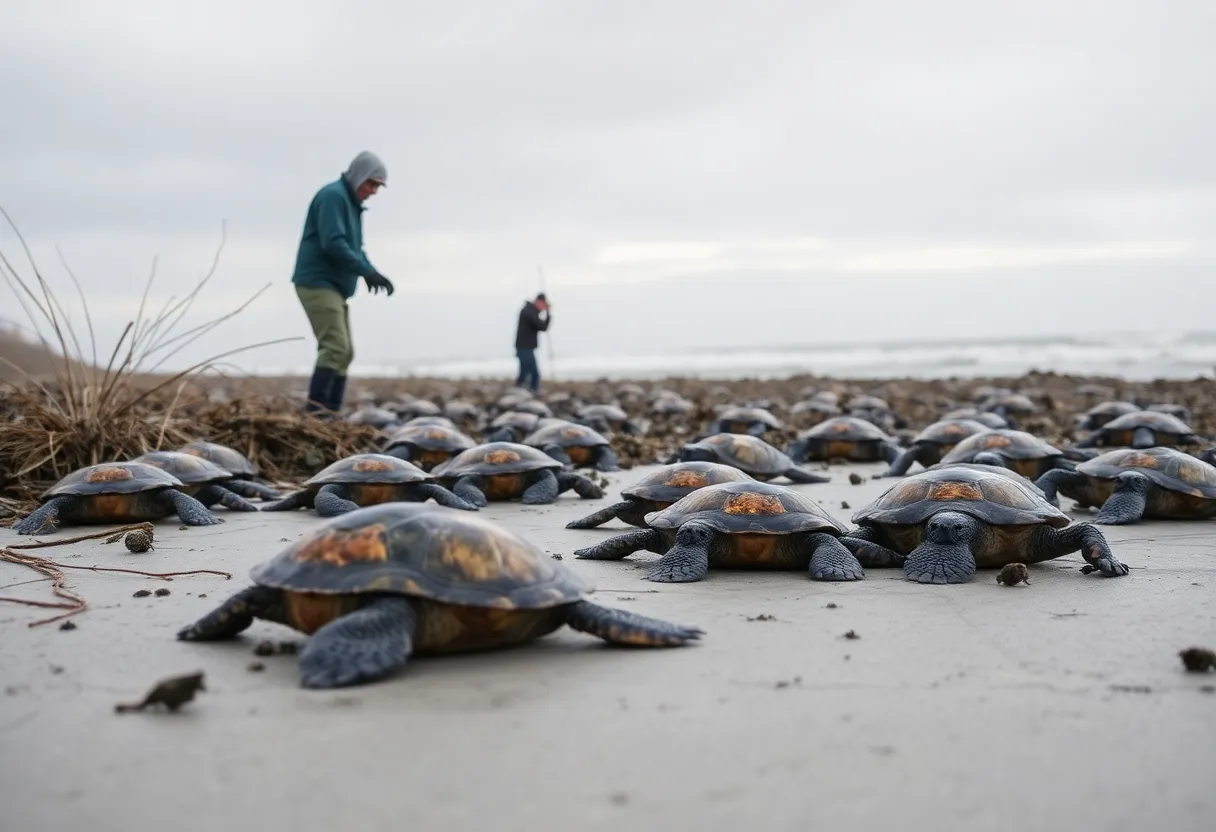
x=533, y=406
x=749, y=415
x=369, y=468
x=113, y=478
x=1180, y=411
x=431, y=438
x=747, y=508
x=867, y=403
x=460, y=409
x=566, y=435
x=748, y=453
x=375, y=416
x=1152, y=419
x=430, y=421
x=492, y=458
x=609, y=412
x=190, y=469
x=950, y=431
x=1166, y=467
x=1011, y=444
x=1112, y=409
x=1011, y=402
x=232, y=461
x=992, y=420
x=419, y=407
x=814, y=406
x=846, y=429
x=673, y=482
x=516, y=420
x=422, y=551
x=985, y=494
x=670, y=405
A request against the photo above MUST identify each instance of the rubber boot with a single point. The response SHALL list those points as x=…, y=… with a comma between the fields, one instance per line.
x=320, y=390
x=337, y=392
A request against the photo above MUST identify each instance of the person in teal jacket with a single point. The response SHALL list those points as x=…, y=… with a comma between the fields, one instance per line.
x=329, y=263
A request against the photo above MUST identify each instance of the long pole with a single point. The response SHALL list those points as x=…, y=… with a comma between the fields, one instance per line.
x=549, y=335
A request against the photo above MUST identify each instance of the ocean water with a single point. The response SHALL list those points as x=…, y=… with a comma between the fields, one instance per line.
x=1134, y=356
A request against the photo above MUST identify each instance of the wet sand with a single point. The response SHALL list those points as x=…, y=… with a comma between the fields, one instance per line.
x=1058, y=705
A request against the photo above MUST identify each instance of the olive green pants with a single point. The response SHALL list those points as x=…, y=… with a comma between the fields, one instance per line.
x=329, y=316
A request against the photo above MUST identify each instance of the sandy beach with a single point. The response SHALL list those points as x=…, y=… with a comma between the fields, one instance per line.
x=1058, y=705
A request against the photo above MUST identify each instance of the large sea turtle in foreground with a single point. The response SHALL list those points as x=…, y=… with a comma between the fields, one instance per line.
x=659, y=489
x=376, y=586
x=114, y=492
x=934, y=442
x=1129, y=484
x=749, y=454
x=365, y=480
x=946, y=522
x=244, y=473
x=508, y=470
x=737, y=525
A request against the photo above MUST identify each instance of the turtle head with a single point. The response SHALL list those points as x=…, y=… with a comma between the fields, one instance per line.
x=1143, y=438
x=989, y=458
x=691, y=453
x=951, y=528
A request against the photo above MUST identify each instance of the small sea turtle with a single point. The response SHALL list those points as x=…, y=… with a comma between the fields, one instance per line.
x=506, y=470
x=430, y=422
x=659, y=489
x=1178, y=411
x=607, y=418
x=512, y=397
x=1009, y=405
x=376, y=586
x=748, y=525
x=114, y=492
x=377, y=417
x=844, y=437
x=1095, y=392
x=427, y=445
x=671, y=404
x=511, y=426
x=462, y=412
x=810, y=412
x=201, y=479
x=244, y=472
x=1017, y=450
x=949, y=521
x=934, y=442
x=1130, y=484
x=991, y=420
x=413, y=408
x=534, y=406
x=755, y=421
x=749, y=454
x=575, y=445
x=366, y=480
x=1141, y=430
x=1101, y=414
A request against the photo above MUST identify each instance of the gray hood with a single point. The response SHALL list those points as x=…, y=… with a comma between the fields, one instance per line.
x=365, y=166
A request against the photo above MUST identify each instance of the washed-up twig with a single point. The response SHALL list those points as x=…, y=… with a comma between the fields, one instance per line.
x=111, y=536
x=72, y=602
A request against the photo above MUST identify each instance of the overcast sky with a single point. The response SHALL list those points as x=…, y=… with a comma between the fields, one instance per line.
x=714, y=173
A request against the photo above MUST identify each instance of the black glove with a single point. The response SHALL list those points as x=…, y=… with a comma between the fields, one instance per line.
x=376, y=281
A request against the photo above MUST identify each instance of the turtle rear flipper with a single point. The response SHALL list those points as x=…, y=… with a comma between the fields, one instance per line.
x=688, y=559
x=1128, y=502
x=189, y=510
x=628, y=628
x=45, y=519
x=598, y=518
x=333, y=499
x=831, y=560
x=369, y=643
x=581, y=485
x=212, y=494
x=235, y=615
x=803, y=476
x=623, y=545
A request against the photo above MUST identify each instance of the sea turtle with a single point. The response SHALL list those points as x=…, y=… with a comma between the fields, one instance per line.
x=1017, y=450
x=750, y=454
x=606, y=418
x=1142, y=429
x=373, y=587
x=843, y=437
x=244, y=472
x=1130, y=484
x=810, y=412
x=412, y=408
x=114, y=492
x=932, y=443
x=534, y=406
x=512, y=397
x=427, y=445
x=1178, y=411
x=1008, y=405
x=430, y=421
x=377, y=417
x=670, y=404
x=462, y=412
x=575, y=445
x=659, y=489
x=201, y=479
x=947, y=522
x=1101, y=414
x=748, y=525
x=992, y=420
x=755, y=421
x=511, y=426
x=365, y=480
x=506, y=470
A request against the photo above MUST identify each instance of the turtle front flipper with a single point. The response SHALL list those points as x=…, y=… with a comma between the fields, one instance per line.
x=628, y=628
x=1051, y=482
x=1084, y=537
x=944, y=555
x=831, y=560
x=756, y=429
x=598, y=518
x=235, y=615
x=900, y=465
x=797, y=449
x=623, y=545
x=442, y=496
x=1078, y=453
x=469, y=490
x=581, y=485
x=1127, y=503
x=989, y=458
x=361, y=646
x=803, y=476
x=543, y=490
x=334, y=499
x=1143, y=438
x=45, y=519
x=297, y=500
x=606, y=460
x=253, y=490
x=868, y=547
x=212, y=494
x=401, y=452
x=558, y=453
x=189, y=510
x=688, y=559
x=890, y=452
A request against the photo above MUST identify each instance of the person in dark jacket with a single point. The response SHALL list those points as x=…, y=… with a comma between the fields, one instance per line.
x=329, y=263
x=531, y=323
